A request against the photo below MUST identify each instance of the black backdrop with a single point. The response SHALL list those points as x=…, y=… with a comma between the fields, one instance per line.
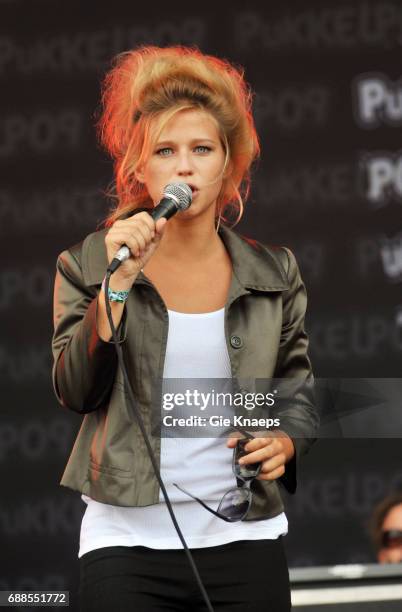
x=328, y=107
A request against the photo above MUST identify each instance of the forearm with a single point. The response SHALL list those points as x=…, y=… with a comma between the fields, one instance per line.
x=102, y=321
x=85, y=366
x=117, y=308
x=84, y=362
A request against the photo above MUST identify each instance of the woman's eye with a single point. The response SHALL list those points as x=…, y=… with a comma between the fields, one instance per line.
x=164, y=152
x=161, y=151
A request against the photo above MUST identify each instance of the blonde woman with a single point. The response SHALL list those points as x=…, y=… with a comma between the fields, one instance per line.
x=194, y=300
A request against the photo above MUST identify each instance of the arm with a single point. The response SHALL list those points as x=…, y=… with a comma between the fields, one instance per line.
x=279, y=450
x=84, y=364
x=299, y=417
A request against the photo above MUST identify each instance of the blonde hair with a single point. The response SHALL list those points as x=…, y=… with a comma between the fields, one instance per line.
x=145, y=88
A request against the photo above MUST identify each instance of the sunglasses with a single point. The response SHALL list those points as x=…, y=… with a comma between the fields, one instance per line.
x=391, y=538
x=236, y=502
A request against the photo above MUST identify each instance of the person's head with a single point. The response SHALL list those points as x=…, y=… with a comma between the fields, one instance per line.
x=386, y=529
x=199, y=106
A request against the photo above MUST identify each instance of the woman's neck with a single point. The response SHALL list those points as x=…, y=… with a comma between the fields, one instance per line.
x=189, y=241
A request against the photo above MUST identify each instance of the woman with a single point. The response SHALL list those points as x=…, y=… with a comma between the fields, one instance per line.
x=194, y=300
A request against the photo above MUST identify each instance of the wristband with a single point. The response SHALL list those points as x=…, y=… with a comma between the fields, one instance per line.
x=116, y=296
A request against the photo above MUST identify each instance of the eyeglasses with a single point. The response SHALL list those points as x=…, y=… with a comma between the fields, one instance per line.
x=236, y=502
x=391, y=538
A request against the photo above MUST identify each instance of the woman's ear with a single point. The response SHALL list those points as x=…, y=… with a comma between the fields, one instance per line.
x=139, y=174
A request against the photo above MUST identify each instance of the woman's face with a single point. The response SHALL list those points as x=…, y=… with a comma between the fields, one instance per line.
x=187, y=150
x=392, y=521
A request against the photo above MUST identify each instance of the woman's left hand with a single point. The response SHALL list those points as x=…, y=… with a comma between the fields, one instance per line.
x=274, y=449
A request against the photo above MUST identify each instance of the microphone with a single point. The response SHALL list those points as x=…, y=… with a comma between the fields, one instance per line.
x=176, y=196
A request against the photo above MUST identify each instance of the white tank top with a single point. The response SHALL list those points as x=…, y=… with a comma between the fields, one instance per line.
x=196, y=348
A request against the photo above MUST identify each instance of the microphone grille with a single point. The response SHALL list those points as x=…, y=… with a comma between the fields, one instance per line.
x=181, y=192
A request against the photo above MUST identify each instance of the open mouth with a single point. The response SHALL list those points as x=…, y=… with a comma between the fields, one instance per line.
x=193, y=188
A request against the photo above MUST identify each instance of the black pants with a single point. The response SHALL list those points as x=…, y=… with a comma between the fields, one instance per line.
x=242, y=576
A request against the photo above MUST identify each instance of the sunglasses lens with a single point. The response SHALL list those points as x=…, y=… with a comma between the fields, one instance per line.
x=248, y=471
x=392, y=538
x=235, y=503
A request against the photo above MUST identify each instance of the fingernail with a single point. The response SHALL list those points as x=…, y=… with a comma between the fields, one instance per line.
x=241, y=461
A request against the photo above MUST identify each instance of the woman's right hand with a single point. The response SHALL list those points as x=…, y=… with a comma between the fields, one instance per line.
x=142, y=236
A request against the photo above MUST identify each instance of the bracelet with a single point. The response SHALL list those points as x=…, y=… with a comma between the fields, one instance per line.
x=116, y=296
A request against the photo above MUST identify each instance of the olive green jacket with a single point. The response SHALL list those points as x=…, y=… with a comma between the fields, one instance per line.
x=264, y=329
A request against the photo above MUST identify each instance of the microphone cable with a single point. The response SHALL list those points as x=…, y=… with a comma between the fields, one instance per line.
x=140, y=422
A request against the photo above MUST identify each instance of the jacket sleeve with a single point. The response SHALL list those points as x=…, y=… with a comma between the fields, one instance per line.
x=84, y=365
x=298, y=414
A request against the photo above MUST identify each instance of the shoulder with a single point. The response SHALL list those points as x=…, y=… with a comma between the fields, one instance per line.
x=282, y=256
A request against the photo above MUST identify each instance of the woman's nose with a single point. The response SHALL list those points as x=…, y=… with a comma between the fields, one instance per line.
x=184, y=165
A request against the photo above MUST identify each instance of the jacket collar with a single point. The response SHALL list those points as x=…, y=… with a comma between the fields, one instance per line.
x=254, y=266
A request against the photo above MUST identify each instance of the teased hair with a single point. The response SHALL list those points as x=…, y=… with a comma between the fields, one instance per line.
x=147, y=86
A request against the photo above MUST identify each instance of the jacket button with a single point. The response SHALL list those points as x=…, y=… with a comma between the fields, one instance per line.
x=236, y=341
